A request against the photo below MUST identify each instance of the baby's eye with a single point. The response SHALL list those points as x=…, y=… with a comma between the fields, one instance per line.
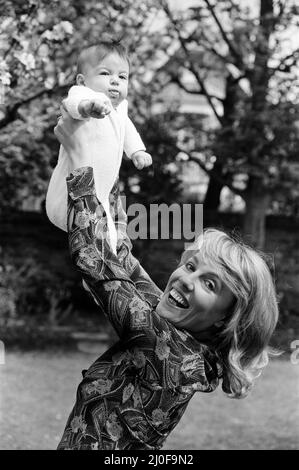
x=123, y=77
x=104, y=72
x=210, y=285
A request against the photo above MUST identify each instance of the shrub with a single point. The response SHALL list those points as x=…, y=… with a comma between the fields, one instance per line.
x=31, y=291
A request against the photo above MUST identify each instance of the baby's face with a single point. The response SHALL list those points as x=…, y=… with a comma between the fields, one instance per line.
x=110, y=76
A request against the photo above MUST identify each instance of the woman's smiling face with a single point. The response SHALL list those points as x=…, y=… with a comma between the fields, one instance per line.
x=195, y=298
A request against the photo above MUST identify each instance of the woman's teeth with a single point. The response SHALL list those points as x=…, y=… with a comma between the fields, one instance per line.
x=176, y=299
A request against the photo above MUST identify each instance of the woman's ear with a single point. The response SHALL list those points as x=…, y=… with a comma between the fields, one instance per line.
x=219, y=324
x=80, y=79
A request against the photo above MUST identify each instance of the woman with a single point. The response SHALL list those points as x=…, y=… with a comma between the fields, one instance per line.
x=213, y=322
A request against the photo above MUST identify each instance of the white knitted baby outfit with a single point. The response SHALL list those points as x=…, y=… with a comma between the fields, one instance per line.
x=114, y=134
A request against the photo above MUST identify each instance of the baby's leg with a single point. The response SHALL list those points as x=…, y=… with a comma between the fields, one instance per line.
x=56, y=199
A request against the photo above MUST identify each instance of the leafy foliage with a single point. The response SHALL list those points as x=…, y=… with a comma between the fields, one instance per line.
x=32, y=291
x=244, y=60
x=241, y=62
x=40, y=42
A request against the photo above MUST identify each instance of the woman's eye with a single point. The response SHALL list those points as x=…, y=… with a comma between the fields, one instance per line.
x=210, y=285
x=189, y=266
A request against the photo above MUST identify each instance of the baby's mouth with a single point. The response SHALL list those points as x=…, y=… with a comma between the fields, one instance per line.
x=176, y=299
x=114, y=93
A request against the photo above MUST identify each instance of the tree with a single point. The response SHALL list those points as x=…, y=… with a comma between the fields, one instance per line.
x=257, y=117
x=254, y=132
x=39, y=43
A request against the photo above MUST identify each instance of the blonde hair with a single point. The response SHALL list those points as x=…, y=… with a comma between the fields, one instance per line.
x=242, y=344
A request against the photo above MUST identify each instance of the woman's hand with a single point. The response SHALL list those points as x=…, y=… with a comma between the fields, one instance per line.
x=77, y=138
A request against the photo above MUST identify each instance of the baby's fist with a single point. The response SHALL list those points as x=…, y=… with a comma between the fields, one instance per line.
x=95, y=108
x=141, y=159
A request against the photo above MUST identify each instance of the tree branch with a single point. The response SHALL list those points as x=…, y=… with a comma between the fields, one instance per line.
x=11, y=113
x=281, y=6
x=218, y=178
x=175, y=79
x=282, y=66
x=217, y=54
x=224, y=35
x=206, y=42
x=191, y=66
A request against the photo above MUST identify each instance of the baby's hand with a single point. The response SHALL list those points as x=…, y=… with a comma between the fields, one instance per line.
x=141, y=159
x=95, y=108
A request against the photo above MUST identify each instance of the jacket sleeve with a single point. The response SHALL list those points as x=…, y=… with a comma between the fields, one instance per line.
x=133, y=141
x=78, y=93
x=149, y=337
x=136, y=272
x=107, y=279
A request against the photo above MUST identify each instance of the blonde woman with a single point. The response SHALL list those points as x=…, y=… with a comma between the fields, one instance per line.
x=211, y=325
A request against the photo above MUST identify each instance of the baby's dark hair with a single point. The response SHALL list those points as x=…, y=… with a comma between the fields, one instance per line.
x=96, y=53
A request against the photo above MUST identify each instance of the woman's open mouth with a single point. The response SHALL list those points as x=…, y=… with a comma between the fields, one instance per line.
x=176, y=299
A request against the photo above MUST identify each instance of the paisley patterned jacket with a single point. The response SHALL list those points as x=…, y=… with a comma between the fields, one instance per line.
x=135, y=393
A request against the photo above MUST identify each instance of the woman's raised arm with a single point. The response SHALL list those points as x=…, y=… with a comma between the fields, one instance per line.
x=106, y=278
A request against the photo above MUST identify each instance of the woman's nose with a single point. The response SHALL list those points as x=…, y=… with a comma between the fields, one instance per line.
x=187, y=283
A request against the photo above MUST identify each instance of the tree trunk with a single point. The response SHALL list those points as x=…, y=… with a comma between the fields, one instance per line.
x=257, y=196
x=212, y=197
x=230, y=103
x=257, y=202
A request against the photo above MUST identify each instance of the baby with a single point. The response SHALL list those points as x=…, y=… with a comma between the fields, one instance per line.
x=99, y=98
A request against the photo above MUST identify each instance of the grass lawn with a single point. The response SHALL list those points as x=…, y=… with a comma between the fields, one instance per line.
x=38, y=391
